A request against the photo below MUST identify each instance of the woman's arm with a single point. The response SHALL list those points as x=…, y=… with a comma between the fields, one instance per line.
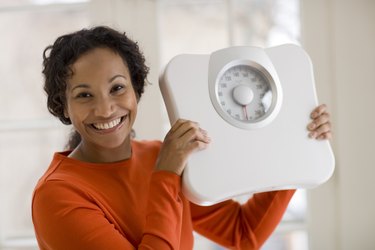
x=244, y=226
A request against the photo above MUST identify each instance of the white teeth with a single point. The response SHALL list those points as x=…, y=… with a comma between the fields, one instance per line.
x=107, y=125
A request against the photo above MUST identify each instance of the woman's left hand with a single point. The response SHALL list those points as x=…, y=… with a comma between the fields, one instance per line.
x=320, y=126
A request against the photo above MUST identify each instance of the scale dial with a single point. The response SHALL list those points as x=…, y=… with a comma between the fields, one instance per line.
x=245, y=94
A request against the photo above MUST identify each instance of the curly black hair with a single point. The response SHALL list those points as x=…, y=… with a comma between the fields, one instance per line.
x=68, y=48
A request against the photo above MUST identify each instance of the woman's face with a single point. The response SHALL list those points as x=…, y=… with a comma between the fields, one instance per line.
x=101, y=102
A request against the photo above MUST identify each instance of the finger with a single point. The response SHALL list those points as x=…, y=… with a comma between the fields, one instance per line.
x=196, y=134
x=178, y=128
x=318, y=111
x=319, y=121
x=185, y=127
x=326, y=128
x=203, y=136
x=177, y=124
x=196, y=146
x=325, y=136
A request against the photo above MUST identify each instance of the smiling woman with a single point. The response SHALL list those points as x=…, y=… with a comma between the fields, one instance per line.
x=93, y=90
x=103, y=109
x=100, y=78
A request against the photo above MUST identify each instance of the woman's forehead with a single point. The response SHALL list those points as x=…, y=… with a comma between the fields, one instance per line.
x=99, y=62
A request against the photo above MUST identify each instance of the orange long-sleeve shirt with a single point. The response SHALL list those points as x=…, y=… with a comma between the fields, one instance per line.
x=128, y=205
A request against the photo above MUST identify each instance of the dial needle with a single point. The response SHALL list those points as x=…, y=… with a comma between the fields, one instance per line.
x=245, y=111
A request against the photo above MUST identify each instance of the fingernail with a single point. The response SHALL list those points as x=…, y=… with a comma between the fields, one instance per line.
x=312, y=135
x=312, y=125
x=314, y=114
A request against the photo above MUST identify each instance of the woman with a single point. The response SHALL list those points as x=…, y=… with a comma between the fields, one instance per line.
x=112, y=192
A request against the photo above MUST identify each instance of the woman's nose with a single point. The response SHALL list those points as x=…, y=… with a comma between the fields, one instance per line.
x=104, y=107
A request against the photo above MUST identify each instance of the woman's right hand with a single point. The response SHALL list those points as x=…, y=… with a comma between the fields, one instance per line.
x=184, y=138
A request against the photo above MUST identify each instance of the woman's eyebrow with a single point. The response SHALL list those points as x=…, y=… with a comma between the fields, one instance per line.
x=114, y=77
x=85, y=85
x=82, y=85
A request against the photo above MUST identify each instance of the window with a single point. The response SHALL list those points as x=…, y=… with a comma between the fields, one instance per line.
x=28, y=133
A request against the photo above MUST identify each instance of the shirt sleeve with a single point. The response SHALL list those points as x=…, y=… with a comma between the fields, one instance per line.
x=164, y=212
x=66, y=217
x=244, y=226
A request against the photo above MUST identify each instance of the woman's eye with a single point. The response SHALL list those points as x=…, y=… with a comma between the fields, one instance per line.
x=83, y=95
x=117, y=88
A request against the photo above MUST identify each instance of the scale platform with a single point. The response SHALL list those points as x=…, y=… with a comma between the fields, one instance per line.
x=269, y=152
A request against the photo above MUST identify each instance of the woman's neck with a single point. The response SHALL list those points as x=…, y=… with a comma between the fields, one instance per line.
x=91, y=153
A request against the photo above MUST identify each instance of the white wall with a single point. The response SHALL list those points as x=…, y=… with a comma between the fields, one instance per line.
x=339, y=35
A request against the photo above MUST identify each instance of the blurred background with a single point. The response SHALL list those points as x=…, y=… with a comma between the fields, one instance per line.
x=339, y=36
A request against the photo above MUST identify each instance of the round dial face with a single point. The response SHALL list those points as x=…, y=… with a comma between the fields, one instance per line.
x=244, y=93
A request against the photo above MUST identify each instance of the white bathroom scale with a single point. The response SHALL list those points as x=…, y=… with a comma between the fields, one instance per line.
x=255, y=105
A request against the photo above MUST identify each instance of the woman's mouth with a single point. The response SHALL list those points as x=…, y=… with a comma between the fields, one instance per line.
x=103, y=126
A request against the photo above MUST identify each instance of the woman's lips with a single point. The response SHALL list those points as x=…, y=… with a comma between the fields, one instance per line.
x=107, y=127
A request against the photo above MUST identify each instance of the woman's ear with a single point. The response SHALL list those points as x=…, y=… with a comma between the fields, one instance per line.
x=137, y=97
x=66, y=115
